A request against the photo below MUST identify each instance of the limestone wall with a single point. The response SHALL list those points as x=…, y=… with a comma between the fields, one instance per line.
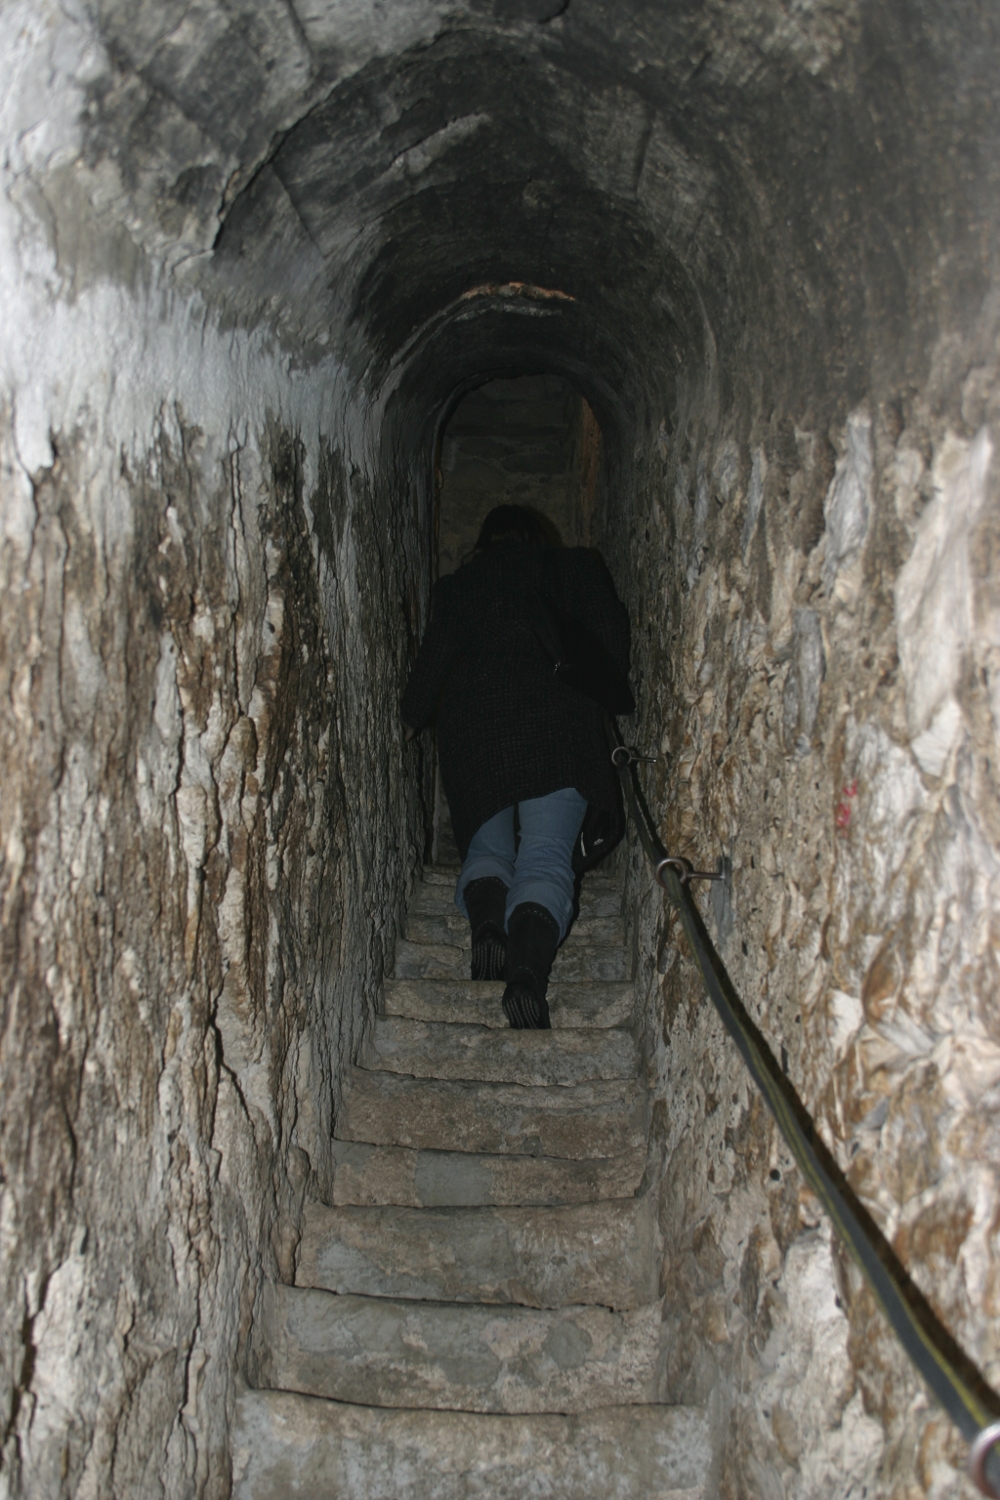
x=830, y=729
x=204, y=824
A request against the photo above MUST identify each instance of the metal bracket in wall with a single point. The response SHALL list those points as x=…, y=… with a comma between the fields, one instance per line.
x=628, y=755
x=722, y=899
x=683, y=870
x=981, y=1452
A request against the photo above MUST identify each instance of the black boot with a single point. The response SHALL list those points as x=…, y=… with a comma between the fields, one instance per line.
x=532, y=940
x=486, y=903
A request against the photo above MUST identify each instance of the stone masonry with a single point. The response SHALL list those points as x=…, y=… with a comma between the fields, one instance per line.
x=255, y=255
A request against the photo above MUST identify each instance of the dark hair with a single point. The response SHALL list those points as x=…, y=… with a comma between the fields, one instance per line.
x=512, y=523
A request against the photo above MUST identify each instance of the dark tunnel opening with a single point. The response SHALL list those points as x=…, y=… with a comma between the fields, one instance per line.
x=530, y=440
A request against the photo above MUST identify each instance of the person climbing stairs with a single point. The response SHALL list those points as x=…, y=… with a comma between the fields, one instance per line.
x=476, y=1312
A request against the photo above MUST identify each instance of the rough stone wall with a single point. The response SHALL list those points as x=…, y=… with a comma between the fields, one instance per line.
x=198, y=894
x=817, y=656
x=209, y=588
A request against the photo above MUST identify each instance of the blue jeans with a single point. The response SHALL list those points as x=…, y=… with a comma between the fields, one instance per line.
x=541, y=870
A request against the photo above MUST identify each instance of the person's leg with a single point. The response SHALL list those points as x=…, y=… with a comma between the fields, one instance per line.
x=543, y=871
x=491, y=853
x=481, y=894
x=539, y=903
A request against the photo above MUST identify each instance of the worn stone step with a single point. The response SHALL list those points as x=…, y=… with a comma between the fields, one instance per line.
x=369, y=1175
x=451, y=927
x=473, y=1002
x=447, y=873
x=437, y=897
x=600, y=879
x=288, y=1446
x=579, y=1121
x=447, y=961
x=435, y=1049
x=536, y=1257
x=380, y=1351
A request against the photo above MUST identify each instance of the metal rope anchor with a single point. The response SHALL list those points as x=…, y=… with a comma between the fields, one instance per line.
x=683, y=871
x=628, y=755
x=979, y=1453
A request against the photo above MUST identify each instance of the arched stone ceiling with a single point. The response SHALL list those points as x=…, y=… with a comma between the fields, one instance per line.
x=703, y=181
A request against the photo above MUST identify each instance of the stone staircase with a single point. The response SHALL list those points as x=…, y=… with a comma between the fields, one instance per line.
x=476, y=1312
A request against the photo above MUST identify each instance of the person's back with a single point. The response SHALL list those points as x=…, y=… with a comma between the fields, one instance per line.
x=512, y=736
x=490, y=598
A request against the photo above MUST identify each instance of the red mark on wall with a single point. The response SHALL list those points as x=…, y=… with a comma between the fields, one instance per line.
x=842, y=816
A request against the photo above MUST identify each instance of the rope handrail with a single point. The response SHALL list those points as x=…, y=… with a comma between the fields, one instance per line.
x=951, y=1376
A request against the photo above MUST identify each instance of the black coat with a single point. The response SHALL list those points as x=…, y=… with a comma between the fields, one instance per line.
x=507, y=729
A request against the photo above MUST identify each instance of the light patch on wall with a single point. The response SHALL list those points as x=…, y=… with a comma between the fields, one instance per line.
x=357, y=30
x=847, y=507
x=934, y=600
x=755, y=499
x=846, y=1015
x=425, y=153
x=806, y=1394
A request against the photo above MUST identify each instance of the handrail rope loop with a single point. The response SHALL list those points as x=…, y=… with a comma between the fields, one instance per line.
x=971, y=1404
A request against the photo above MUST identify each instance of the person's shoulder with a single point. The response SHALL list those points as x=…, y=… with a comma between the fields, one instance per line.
x=585, y=561
x=445, y=594
x=495, y=563
x=452, y=588
x=459, y=577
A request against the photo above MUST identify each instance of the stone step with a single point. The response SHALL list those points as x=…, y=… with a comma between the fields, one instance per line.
x=451, y=927
x=437, y=898
x=286, y=1445
x=434, y=1049
x=368, y=1175
x=470, y=1002
x=535, y=1257
x=380, y=1351
x=574, y=961
x=580, y=1121
x=446, y=873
